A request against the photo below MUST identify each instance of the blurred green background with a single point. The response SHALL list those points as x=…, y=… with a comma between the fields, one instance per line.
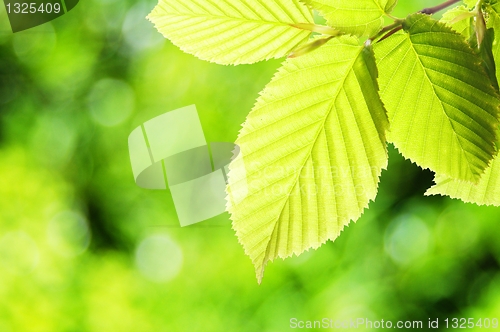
x=82, y=248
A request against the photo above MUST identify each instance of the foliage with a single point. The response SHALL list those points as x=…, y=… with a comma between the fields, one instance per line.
x=291, y=186
x=63, y=153
x=313, y=147
x=233, y=32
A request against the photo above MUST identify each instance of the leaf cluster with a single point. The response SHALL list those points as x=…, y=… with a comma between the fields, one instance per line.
x=313, y=148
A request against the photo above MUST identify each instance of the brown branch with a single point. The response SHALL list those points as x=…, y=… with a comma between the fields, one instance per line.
x=398, y=25
x=435, y=9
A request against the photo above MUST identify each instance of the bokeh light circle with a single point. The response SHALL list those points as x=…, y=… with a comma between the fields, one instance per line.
x=158, y=258
x=68, y=234
x=19, y=253
x=111, y=102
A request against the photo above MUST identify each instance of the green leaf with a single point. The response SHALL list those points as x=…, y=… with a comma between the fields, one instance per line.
x=470, y=3
x=314, y=45
x=493, y=10
x=486, y=192
x=361, y=18
x=486, y=54
x=233, y=32
x=442, y=107
x=461, y=20
x=389, y=5
x=311, y=153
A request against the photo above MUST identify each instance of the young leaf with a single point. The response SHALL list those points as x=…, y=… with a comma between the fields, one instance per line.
x=486, y=192
x=442, y=107
x=461, y=20
x=480, y=27
x=470, y=3
x=311, y=153
x=486, y=54
x=493, y=10
x=304, y=49
x=233, y=32
x=361, y=18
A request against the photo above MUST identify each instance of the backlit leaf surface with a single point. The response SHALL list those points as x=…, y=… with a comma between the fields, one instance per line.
x=442, y=107
x=233, y=31
x=312, y=151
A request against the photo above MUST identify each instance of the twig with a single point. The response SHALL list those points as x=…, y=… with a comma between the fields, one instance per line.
x=435, y=9
x=398, y=25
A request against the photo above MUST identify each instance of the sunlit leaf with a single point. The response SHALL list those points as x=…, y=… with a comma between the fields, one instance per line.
x=461, y=20
x=361, y=18
x=304, y=49
x=441, y=104
x=486, y=192
x=493, y=10
x=312, y=151
x=233, y=32
x=470, y=3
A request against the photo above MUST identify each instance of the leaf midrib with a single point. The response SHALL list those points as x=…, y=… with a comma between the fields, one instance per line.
x=462, y=150
x=309, y=155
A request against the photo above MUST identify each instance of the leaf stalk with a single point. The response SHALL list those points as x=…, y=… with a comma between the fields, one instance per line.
x=398, y=24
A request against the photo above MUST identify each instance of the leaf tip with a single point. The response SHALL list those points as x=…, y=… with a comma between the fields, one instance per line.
x=259, y=271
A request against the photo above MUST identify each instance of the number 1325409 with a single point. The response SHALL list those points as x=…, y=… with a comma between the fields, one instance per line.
x=33, y=8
